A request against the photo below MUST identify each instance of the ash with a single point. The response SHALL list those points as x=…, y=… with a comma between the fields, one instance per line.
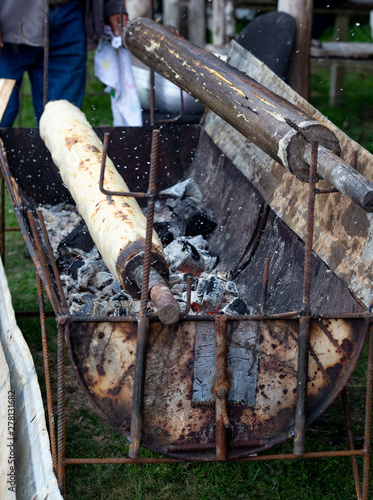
x=182, y=223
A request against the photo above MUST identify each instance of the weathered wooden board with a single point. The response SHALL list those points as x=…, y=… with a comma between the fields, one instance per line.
x=343, y=50
x=6, y=489
x=343, y=235
x=248, y=232
x=34, y=471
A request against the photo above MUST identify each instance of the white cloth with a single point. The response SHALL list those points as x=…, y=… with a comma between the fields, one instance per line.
x=113, y=68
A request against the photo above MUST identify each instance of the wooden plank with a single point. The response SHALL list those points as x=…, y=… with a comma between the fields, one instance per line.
x=343, y=50
x=7, y=432
x=6, y=87
x=343, y=236
x=35, y=477
x=242, y=363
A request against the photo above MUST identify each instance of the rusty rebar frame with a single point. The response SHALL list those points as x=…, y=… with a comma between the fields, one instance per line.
x=58, y=300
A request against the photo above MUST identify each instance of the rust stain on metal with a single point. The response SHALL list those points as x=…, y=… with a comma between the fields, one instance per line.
x=170, y=418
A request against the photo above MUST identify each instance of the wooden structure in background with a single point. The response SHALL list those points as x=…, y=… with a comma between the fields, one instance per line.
x=299, y=71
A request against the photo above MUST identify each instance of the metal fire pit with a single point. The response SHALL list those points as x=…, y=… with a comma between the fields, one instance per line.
x=216, y=387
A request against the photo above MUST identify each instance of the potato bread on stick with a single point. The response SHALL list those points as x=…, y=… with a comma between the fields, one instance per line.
x=116, y=224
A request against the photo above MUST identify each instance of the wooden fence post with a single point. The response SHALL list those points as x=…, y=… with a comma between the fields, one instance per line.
x=299, y=70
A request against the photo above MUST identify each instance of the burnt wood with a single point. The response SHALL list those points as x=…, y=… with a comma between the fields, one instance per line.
x=278, y=127
x=274, y=124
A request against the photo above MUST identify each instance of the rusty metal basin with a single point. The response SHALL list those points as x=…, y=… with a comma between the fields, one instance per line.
x=179, y=403
x=179, y=410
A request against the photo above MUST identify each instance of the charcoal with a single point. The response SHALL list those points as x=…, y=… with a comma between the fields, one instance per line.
x=213, y=294
x=209, y=260
x=184, y=257
x=197, y=241
x=79, y=238
x=87, y=308
x=201, y=287
x=162, y=212
x=230, y=287
x=88, y=271
x=101, y=280
x=91, y=289
x=178, y=289
x=237, y=306
x=198, y=220
x=116, y=287
x=184, y=189
x=87, y=297
x=177, y=226
x=96, y=308
x=163, y=231
x=74, y=268
x=64, y=262
x=108, y=289
x=69, y=284
x=122, y=295
x=121, y=311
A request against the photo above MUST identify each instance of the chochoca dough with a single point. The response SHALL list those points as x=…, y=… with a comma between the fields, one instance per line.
x=115, y=223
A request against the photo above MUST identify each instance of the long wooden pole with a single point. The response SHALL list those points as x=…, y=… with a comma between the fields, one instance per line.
x=272, y=123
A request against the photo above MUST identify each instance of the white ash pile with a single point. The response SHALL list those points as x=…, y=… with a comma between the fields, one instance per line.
x=181, y=222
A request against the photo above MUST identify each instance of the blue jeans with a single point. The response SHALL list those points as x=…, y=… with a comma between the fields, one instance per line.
x=67, y=62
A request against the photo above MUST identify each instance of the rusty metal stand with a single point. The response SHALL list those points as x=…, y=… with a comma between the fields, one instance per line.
x=42, y=256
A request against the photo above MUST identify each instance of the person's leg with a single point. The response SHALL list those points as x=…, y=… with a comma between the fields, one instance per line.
x=14, y=61
x=67, y=58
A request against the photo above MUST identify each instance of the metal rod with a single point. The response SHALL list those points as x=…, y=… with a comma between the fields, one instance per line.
x=40, y=252
x=179, y=115
x=252, y=458
x=302, y=375
x=189, y=279
x=48, y=384
x=143, y=323
x=343, y=177
x=368, y=417
x=309, y=229
x=52, y=260
x=305, y=321
x=221, y=388
x=138, y=387
x=61, y=414
x=46, y=53
x=102, y=174
x=122, y=460
x=153, y=177
x=350, y=438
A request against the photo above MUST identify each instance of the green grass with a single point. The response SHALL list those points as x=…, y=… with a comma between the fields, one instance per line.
x=89, y=436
